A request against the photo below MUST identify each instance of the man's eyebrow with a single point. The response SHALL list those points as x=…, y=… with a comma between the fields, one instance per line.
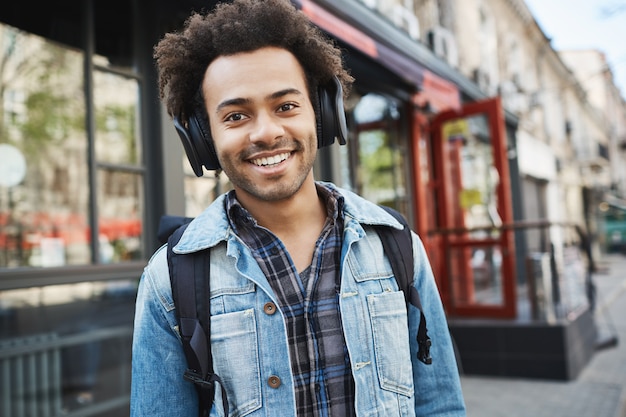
x=232, y=102
x=240, y=101
x=285, y=92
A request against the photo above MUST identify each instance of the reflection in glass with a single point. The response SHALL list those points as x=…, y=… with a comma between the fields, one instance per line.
x=474, y=175
x=44, y=218
x=475, y=263
x=119, y=209
x=476, y=275
x=201, y=191
x=382, y=155
x=66, y=348
x=117, y=136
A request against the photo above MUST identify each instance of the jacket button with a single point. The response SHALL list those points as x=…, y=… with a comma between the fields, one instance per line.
x=269, y=308
x=273, y=381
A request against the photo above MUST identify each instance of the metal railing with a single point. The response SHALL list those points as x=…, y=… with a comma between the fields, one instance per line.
x=552, y=265
x=30, y=368
x=31, y=374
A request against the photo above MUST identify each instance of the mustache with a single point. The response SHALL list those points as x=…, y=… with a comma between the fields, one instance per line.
x=282, y=144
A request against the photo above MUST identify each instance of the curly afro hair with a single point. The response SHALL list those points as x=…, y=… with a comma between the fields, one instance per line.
x=241, y=26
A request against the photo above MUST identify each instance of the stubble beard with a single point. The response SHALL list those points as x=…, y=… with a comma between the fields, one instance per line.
x=280, y=189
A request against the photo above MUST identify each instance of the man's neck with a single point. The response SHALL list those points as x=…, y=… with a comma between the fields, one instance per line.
x=291, y=215
x=297, y=222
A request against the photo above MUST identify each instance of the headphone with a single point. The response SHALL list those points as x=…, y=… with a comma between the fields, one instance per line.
x=198, y=143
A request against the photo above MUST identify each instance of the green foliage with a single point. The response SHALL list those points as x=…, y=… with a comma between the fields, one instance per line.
x=121, y=121
x=377, y=159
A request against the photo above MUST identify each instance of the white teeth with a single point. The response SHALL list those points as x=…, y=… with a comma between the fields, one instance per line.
x=272, y=160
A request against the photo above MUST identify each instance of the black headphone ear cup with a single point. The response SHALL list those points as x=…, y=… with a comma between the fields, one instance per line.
x=331, y=122
x=197, y=142
x=201, y=135
x=188, y=145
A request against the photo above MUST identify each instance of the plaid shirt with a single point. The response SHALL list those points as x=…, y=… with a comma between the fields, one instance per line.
x=309, y=301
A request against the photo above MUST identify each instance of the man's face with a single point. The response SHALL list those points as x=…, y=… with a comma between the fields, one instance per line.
x=262, y=122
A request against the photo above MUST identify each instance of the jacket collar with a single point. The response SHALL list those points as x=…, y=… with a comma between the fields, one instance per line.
x=212, y=227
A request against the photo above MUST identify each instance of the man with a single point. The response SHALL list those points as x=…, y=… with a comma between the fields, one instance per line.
x=306, y=316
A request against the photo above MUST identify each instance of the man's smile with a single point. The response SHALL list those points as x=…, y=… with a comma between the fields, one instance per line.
x=271, y=160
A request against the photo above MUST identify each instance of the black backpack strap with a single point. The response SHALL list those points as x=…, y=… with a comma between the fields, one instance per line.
x=189, y=277
x=168, y=225
x=398, y=245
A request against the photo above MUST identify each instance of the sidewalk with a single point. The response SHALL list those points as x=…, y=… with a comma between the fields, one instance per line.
x=600, y=389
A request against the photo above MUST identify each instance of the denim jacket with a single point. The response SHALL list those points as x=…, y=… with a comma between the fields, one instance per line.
x=249, y=343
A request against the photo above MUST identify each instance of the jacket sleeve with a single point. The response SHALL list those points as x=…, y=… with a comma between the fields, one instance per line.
x=158, y=361
x=437, y=386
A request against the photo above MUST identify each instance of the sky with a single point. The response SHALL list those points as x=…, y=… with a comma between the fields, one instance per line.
x=586, y=24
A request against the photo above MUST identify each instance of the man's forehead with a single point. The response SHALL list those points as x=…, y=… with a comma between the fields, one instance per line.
x=264, y=73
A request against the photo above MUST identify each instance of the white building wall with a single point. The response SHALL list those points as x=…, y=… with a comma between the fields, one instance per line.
x=534, y=157
x=556, y=97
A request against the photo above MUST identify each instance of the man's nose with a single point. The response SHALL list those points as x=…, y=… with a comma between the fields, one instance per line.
x=267, y=128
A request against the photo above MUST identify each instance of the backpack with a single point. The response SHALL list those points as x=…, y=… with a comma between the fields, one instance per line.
x=191, y=289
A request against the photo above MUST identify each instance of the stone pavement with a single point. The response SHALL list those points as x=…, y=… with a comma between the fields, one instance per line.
x=598, y=391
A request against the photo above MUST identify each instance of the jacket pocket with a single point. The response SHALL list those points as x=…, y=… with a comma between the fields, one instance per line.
x=235, y=350
x=391, y=341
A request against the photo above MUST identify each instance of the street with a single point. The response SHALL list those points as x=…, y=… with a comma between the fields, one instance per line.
x=600, y=389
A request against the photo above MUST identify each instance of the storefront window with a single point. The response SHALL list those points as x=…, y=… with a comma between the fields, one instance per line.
x=477, y=174
x=119, y=203
x=72, y=201
x=120, y=175
x=45, y=190
x=65, y=349
x=117, y=131
x=381, y=171
x=200, y=192
x=43, y=213
x=474, y=180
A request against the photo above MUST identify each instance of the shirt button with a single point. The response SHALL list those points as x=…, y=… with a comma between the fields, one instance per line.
x=273, y=381
x=274, y=251
x=269, y=308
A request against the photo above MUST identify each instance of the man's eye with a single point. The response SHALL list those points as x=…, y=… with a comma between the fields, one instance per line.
x=287, y=107
x=234, y=117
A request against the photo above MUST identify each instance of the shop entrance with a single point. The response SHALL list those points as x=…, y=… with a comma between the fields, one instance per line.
x=467, y=201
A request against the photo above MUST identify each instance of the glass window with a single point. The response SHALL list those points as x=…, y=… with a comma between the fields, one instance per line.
x=117, y=132
x=120, y=201
x=382, y=156
x=44, y=210
x=201, y=191
x=71, y=166
x=46, y=201
x=66, y=349
x=472, y=173
x=120, y=175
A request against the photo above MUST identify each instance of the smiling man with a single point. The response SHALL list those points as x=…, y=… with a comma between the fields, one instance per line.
x=306, y=316
x=263, y=127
